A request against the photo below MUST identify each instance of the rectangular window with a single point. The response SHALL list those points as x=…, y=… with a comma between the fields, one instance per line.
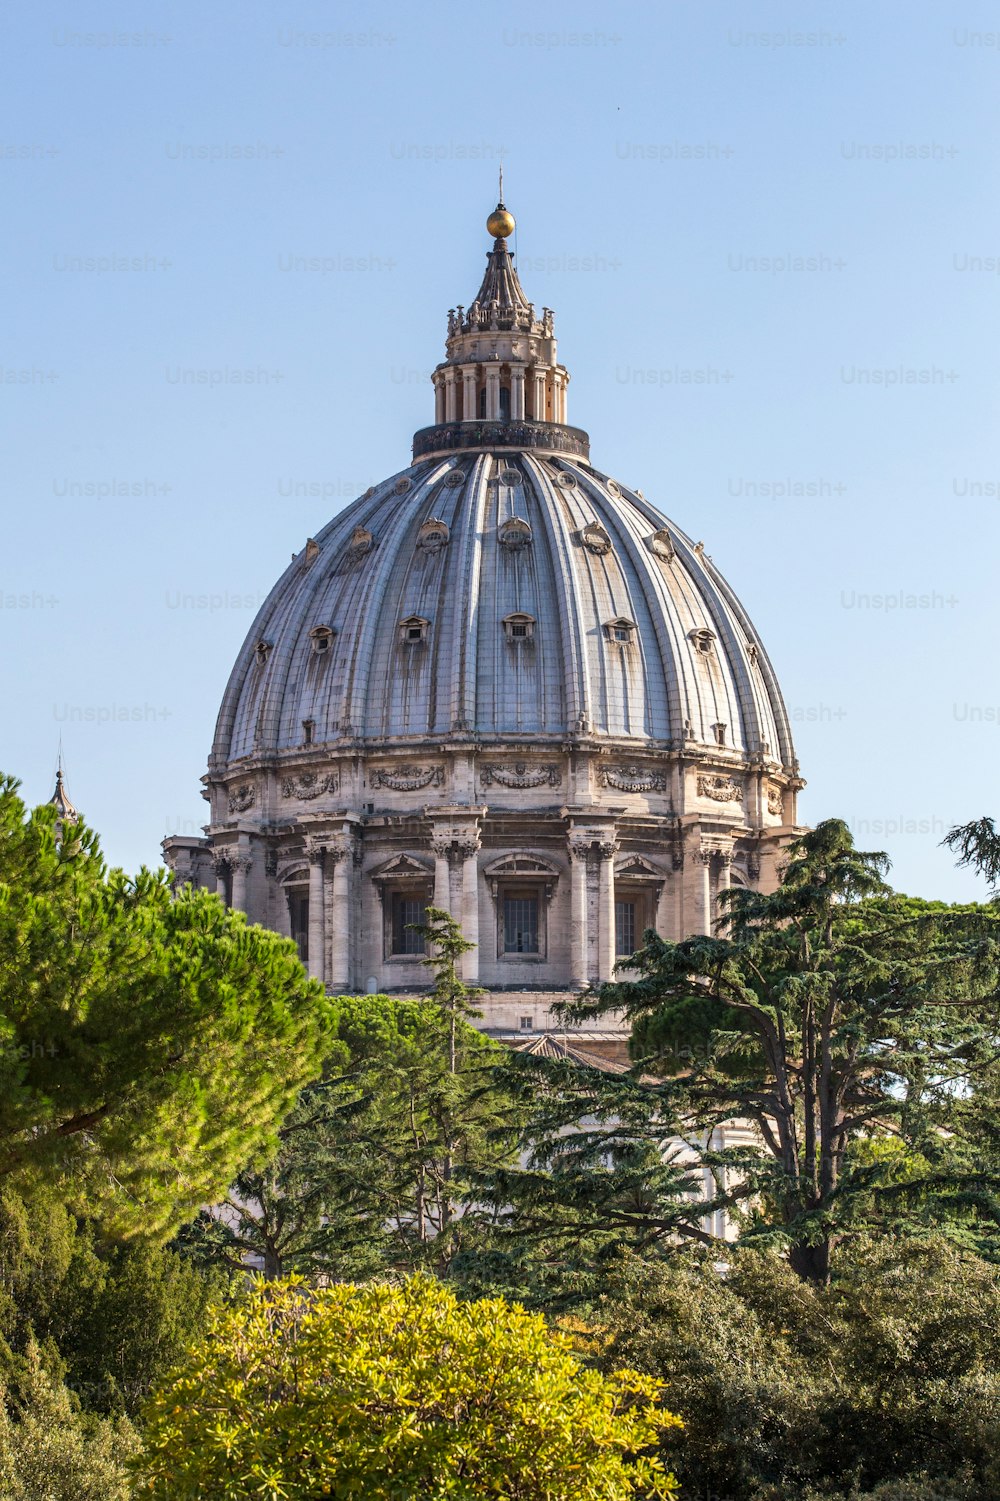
x=520, y=924
x=527, y=1023
x=625, y=925
x=407, y=909
x=298, y=918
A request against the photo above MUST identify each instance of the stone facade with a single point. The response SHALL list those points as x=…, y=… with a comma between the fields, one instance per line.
x=503, y=682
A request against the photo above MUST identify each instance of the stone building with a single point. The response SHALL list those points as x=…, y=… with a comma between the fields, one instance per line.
x=504, y=682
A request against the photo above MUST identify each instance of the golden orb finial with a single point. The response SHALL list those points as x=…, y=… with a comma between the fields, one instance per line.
x=500, y=224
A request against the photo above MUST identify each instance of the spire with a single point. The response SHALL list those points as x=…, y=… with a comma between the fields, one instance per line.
x=60, y=800
x=500, y=302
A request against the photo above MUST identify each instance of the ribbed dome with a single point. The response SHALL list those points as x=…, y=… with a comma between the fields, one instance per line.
x=502, y=595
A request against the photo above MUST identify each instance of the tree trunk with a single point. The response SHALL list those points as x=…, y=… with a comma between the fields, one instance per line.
x=812, y=1263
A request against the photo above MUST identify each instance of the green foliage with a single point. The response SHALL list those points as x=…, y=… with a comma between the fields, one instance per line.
x=109, y=1319
x=885, y=1383
x=388, y=1392
x=379, y=1160
x=149, y=1042
x=51, y=1451
x=832, y=1012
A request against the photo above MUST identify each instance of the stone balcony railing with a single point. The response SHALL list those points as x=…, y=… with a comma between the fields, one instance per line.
x=523, y=433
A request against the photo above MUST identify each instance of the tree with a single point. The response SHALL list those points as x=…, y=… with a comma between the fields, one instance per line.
x=884, y=1383
x=107, y=1319
x=377, y=1162
x=150, y=1040
x=51, y=1451
x=832, y=1012
x=397, y=1391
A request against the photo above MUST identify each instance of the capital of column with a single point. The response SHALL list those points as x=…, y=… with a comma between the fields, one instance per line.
x=241, y=862
x=607, y=849
x=580, y=848
x=222, y=861
x=315, y=853
x=466, y=847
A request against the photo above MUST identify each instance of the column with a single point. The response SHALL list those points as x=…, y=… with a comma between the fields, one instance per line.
x=340, y=919
x=438, y=400
x=606, y=922
x=706, y=914
x=442, y=878
x=556, y=396
x=538, y=398
x=317, y=925
x=468, y=849
x=241, y=866
x=450, y=396
x=516, y=394
x=492, y=395
x=579, y=968
x=469, y=413
x=725, y=864
x=220, y=865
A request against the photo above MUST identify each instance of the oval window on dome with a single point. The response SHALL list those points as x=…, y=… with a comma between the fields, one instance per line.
x=567, y=480
x=510, y=477
x=402, y=484
x=613, y=489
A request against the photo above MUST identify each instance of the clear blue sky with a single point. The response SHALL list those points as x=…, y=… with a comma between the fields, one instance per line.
x=799, y=197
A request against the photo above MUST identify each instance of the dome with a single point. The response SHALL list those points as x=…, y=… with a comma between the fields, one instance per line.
x=502, y=594
x=500, y=682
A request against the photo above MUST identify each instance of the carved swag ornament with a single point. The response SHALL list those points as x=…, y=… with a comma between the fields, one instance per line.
x=520, y=775
x=408, y=778
x=720, y=789
x=309, y=785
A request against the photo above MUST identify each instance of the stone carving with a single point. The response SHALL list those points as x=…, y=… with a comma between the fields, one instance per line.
x=361, y=542
x=595, y=539
x=408, y=778
x=720, y=789
x=661, y=545
x=514, y=533
x=633, y=778
x=775, y=802
x=520, y=775
x=242, y=798
x=433, y=536
x=309, y=784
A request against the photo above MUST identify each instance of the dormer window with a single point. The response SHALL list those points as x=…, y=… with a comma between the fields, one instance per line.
x=515, y=532
x=519, y=627
x=262, y=651
x=703, y=640
x=321, y=637
x=720, y=733
x=308, y=730
x=413, y=630
x=620, y=630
